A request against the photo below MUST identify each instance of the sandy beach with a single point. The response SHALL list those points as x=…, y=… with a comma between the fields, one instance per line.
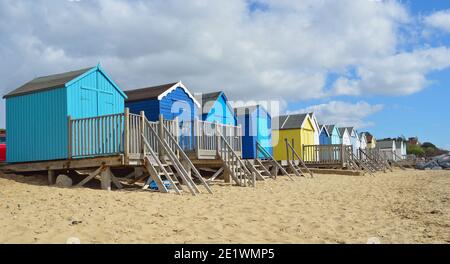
x=401, y=207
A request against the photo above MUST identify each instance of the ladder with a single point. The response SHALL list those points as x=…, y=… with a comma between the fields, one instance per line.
x=395, y=156
x=360, y=164
x=268, y=157
x=373, y=162
x=351, y=163
x=383, y=159
x=292, y=165
x=233, y=163
x=160, y=166
x=171, y=140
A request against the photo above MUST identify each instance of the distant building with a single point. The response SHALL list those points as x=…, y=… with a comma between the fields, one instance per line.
x=413, y=141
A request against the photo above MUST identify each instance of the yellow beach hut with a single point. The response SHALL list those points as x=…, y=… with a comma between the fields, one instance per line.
x=298, y=129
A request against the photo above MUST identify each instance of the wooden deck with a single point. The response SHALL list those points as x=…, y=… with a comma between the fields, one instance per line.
x=326, y=156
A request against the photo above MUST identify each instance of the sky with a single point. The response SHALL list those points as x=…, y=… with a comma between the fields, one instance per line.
x=381, y=66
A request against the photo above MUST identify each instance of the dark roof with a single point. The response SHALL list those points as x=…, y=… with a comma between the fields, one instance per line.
x=148, y=93
x=324, y=127
x=330, y=128
x=208, y=100
x=291, y=121
x=47, y=82
x=349, y=129
x=385, y=144
x=342, y=130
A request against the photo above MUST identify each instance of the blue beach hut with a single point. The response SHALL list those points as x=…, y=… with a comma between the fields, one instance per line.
x=215, y=108
x=37, y=112
x=324, y=136
x=171, y=101
x=256, y=125
x=335, y=135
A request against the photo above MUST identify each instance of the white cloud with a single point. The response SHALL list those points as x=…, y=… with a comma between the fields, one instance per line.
x=399, y=74
x=285, y=51
x=343, y=113
x=439, y=20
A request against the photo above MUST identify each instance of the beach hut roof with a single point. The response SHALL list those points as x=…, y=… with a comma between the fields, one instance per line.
x=363, y=134
x=59, y=80
x=292, y=121
x=342, y=130
x=385, y=144
x=47, y=82
x=210, y=97
x=324, y=128
x=330, y=129
x=398, y=144
x=157, y=92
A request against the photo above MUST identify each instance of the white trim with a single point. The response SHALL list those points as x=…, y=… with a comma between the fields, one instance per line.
x=324, y=127
x=179, y=84
x=284, y=123
x=312, y=121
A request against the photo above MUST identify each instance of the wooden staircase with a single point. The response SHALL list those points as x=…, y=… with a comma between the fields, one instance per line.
x=235, y=166
x=375, y=153
x=165, y=167
x=394, y=160
x=376, y=165
x=270, y=166
x=297, y=169
x=358, y=164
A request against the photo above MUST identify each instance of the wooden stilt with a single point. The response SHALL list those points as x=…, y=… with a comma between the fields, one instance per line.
x=106, y=179
x=51, y=177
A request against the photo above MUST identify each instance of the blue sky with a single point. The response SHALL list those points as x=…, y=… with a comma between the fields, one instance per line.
x=381, y=66
x=424, y=114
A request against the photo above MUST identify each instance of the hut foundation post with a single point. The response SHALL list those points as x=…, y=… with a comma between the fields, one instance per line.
x=51, y=177
x=226, y=175
x=106, y=179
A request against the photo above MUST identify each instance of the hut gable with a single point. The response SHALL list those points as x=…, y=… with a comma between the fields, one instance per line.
x=345, y=136
x=298, y=129
x=316, y=128
x=94, y=94
x=216, y=108
x=324, y=136
x=170, y=100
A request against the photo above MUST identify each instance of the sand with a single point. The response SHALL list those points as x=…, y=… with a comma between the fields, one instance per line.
x=399, y=207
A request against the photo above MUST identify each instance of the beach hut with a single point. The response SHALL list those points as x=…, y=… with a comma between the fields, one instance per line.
x=371, y=141
x=363, y=140
x=256, y=126
x=324, y=136
x=400, y=149
x=345, y=136
x=216, y=108
x=169, y=101
x=298, y=129
x=316, y=128
x=335, y=135
x=354, y=140
x=37, y=113
x=387, y=148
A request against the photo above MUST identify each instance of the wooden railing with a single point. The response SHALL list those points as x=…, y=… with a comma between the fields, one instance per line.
x=122, y=134
x=205, y=137
x=96, y=136
x=325, y=154
x=238, y=169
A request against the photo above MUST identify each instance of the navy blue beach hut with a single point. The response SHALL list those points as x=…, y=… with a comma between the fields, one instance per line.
x=170, y=101
x=37, y=113
x=256, y=125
